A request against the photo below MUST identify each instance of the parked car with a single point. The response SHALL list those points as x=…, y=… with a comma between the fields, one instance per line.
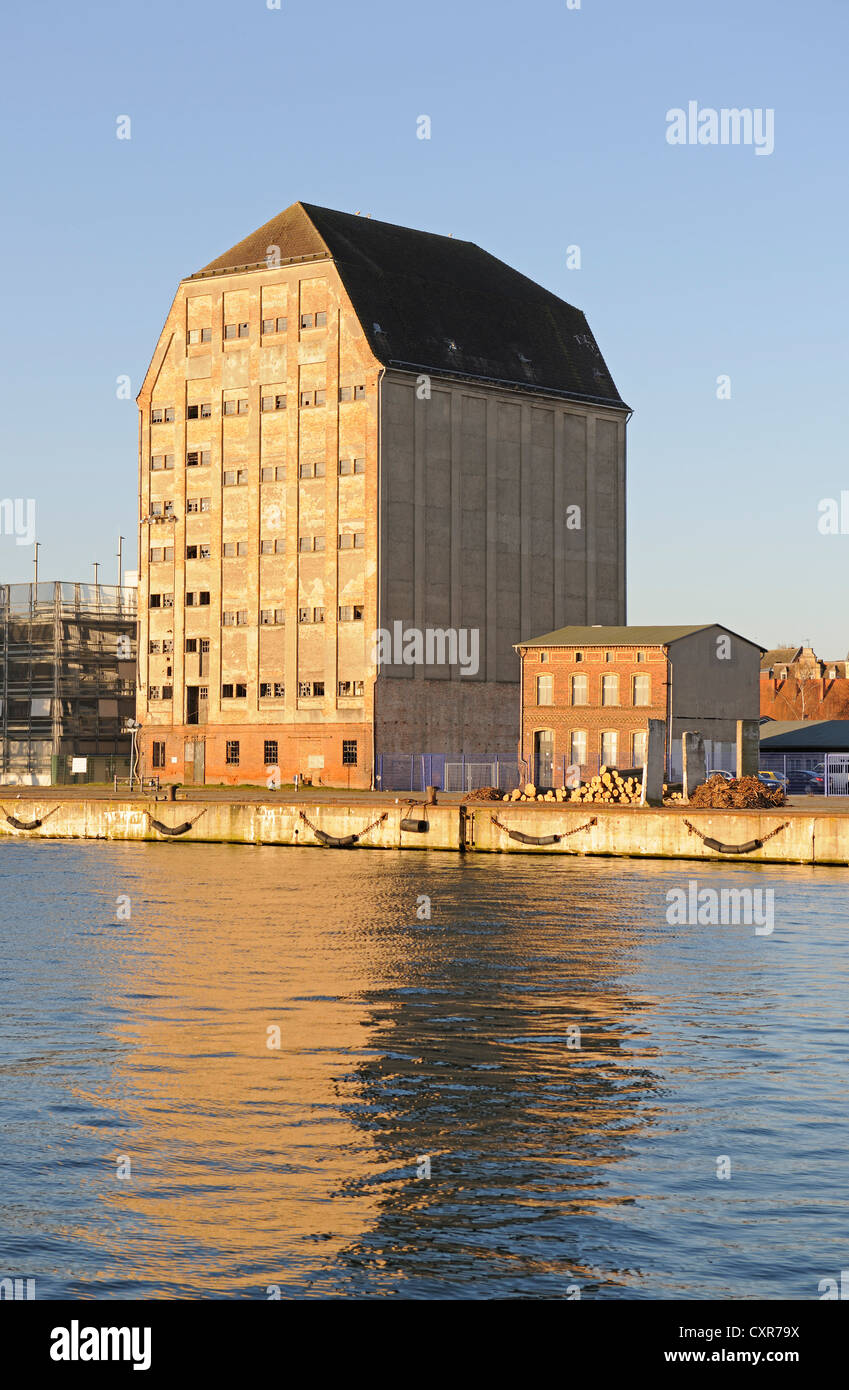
x=803, y=781
x=720, y=772
x=773, y=779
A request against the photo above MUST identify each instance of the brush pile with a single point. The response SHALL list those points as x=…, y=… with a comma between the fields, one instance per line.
x=746, y=793
x=486, y=794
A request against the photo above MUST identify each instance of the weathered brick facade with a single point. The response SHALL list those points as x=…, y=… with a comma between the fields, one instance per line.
x=564, y=718
x=580, y=684
x=333, y=437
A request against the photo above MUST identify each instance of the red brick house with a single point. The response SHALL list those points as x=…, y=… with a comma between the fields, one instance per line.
x=796, y=684
x=587, y=694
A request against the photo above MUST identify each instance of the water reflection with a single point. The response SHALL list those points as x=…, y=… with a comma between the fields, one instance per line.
x=452, y=1038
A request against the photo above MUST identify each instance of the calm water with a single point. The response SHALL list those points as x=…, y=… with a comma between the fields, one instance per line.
x=296, y=1166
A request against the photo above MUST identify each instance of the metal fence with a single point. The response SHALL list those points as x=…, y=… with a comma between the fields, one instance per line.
x=817, y=772
x=450, y=772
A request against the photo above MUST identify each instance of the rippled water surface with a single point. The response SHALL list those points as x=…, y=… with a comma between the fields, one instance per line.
x=401, y=1038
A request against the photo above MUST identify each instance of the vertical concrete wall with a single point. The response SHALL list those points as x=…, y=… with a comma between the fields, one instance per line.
x=477, y=484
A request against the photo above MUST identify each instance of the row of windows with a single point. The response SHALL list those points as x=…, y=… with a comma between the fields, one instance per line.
x=202, y=410
x=268, y=617
x=610, y=747
x=348, y=613
x=579, y=690
x=201, y=458
x=579, y=656
x=269, y=751
x=269, y=326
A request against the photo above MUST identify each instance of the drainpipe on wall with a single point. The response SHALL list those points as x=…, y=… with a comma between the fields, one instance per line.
x=668, y=714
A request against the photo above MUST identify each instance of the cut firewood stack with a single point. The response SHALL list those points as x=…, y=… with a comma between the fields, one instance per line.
x=608, y=786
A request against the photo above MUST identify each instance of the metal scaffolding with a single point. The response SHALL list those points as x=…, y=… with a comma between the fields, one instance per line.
x=68, y=657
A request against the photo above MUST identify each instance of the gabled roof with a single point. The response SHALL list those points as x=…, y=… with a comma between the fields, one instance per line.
x=779, y=656
x=438, y=304
x=623, y=636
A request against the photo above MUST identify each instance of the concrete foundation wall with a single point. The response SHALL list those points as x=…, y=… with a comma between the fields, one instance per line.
x=628, y=831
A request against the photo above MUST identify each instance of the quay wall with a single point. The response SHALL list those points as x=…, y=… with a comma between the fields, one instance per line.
x=631, y=832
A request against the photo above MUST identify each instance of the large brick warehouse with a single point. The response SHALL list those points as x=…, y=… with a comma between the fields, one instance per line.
x=351, y=428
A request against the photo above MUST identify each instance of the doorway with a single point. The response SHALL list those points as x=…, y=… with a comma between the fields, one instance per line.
x=543, y=758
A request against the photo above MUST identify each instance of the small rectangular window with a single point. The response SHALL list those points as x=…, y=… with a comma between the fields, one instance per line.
x=191, y=644
x=170, y=415
x=346, y=393
x=227, y=691
x=191, y=552
x=269, y=752
x=306, y=320
x=231, y=755
x=320, y=397
x=307, y=398
x=359, y=465
x=244, y=330
x=229, y=407
x=156, y=416
x=206, y=335
x=192, y=412
x=321, y=319
x=167, y=692
x=241, y=407
x=349, y=752
x=157, y=754
x=266, y=617
x=193, y=336
x=279, y=616
x=229, y=330
x=154, y=647
x=359, y=393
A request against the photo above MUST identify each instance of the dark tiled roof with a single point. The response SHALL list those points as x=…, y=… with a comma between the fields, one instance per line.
x=622, y=636
x=435, y=303
x=801, y=735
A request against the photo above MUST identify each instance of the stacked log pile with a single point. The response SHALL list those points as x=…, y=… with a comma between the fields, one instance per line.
x=609, y=786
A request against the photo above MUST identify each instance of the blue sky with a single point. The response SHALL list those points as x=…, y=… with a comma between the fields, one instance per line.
x=548, y=130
